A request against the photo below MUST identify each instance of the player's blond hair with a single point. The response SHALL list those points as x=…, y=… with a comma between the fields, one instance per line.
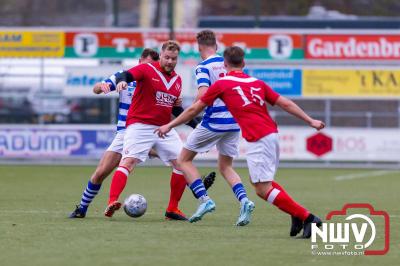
x=171, y=46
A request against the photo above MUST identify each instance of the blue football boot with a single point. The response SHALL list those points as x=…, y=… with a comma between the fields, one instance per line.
x=205, y=207
x=246, y=209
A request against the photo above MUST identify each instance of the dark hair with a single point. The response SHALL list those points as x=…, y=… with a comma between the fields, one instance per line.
x=150, y=52
x=171, y=46
x=206, y=37
x=234, y=56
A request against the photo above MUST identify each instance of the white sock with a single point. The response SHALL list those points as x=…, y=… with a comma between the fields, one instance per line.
x=204, y=198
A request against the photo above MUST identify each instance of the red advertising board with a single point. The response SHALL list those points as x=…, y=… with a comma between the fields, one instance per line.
x=368, y=47
x=129, y=44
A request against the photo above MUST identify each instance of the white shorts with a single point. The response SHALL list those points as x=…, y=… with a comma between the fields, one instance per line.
x=117, y=143
x=140, y=138
x=263, y=158
x=202, y=140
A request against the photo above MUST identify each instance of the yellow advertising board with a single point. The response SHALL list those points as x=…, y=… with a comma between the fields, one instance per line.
x=350, y=83
x=31, y=44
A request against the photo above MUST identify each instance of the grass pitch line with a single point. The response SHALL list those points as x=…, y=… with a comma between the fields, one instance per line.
x=363, y=175
x=54, y=212
x=31, y=212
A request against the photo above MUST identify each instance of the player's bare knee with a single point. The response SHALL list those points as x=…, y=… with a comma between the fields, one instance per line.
x=225, y=172
x=183, y=160
x=98, y=176
x=260, y=193
x=175, y=165
x=129, y=163
x=221, y=168
x=224, y=168
x=262, y=188
x=96, y=179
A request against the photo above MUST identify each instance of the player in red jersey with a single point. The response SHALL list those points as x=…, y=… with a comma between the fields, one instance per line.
x=113, y=155
x=158, y=90
x=246, y=99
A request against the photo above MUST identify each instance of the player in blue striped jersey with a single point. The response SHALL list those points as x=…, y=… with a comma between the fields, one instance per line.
x=111, y=158
x=219, y=129
x=125, y=98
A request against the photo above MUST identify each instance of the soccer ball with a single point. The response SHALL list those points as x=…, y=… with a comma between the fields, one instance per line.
x=135, y=205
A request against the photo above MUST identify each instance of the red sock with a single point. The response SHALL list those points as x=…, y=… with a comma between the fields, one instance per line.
x=276, y=185
x=178, y=185
x=118, y=183
x=278, y=196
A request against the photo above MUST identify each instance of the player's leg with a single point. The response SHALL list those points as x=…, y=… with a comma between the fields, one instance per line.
x=138, y=141
x=185, y=161
x=262, y=160
x=107, y=164
x=228, y=148
x=177, y=187
x=168, y=149
x=297, y=223
x=118, y=184
x=207, y=179
x=235, y=182
x=200, y=140
x=192, y=174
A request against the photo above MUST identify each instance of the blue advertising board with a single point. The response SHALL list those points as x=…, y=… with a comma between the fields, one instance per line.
x=286, y=82
x=53, y=142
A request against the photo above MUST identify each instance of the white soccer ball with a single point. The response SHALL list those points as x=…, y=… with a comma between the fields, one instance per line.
x=135, y=205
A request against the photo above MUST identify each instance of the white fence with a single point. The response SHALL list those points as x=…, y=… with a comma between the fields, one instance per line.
x=85, y=143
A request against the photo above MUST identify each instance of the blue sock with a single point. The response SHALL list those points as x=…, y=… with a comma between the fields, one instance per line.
x=88, y=195
x=198, y=188
x=239, y=191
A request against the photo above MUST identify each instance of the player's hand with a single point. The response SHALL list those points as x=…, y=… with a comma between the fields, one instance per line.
x=121, y=86
x=317, y=124
x=178, y=102
x=162, y=131
x=105, y=87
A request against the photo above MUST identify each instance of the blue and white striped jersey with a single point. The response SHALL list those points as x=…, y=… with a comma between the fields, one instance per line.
x=125, y=99
x=216, y=118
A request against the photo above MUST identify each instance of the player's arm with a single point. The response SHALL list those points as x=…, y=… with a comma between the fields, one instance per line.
x=135, y=73
x=177, y=110
x=202, y=80
x=207, y=100
x=200, y=92
x=124, y=76
x=106, y=85
x=292, y=108
x=97, y=88
x=103, y=87
x=122, y=79
x=187, y=115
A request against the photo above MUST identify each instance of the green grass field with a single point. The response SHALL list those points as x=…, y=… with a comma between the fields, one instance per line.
x=35, y=201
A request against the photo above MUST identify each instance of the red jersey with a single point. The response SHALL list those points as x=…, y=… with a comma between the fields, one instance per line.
x=245, y=97
x=155, y=94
